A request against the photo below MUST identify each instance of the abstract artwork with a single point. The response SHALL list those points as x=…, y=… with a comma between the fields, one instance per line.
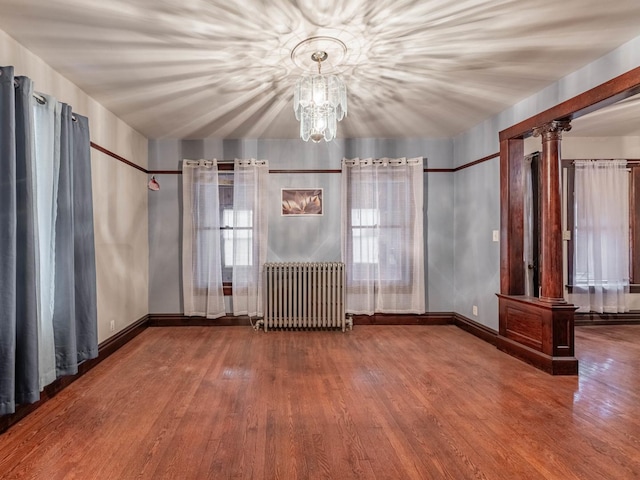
x=301, y=201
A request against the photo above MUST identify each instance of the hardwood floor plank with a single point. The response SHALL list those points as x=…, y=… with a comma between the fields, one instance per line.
x=379, y=402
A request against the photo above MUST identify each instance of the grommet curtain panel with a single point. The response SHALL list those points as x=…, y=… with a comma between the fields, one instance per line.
x=250, y=230
x=48, y=319
x=382, y=235
x=201, y=261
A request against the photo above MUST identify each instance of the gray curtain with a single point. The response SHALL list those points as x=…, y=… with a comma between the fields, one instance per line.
x=18, y=236
x=75, y=313
x=74, y=305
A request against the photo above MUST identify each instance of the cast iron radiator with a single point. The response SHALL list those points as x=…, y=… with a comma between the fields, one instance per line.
x=305, y=296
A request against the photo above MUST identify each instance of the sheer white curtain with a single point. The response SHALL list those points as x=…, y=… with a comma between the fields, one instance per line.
x=201, y=259
x=47, y=121
x=601, y=236
x=382, y=239
x=250, y=230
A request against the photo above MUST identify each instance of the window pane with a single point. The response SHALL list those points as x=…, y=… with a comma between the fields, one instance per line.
x=365, y=217
x=244, y=218
x=365, y=245
x=243, y=242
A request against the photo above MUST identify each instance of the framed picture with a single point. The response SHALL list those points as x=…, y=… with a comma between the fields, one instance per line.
x=301, y=201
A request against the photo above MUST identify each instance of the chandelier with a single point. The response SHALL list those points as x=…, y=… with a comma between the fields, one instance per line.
x=320, y=102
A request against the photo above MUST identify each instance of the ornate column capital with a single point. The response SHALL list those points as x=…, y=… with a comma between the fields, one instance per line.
x=552, y=130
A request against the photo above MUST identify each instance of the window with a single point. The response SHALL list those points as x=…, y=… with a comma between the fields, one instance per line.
x=243, y=231
x=238, y=223
x=579, y=231
x=364, y=222
x=377, y=245
x=383, y=246
x=224, y=235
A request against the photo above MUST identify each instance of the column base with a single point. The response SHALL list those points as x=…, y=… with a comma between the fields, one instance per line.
x=538, y=332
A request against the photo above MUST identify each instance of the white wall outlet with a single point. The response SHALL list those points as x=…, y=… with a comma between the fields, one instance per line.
x=496, y=235
x=566, y=235
x=475, y=310
x=112, y=325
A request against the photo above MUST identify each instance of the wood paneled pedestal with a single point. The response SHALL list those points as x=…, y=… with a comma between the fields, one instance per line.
x=538, y=332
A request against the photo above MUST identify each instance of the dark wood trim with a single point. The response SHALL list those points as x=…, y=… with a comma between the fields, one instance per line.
x=294, y=171
x=105, y=349
x=165, y=172
x=616, y=89
x=285, y=171
x=118, y=157
x=179, y=320
x=112, y=344
x=630, y=161
x=474, y=328
x=628, y=318
x=512, y=268
x=476, y=162
x=429, y=318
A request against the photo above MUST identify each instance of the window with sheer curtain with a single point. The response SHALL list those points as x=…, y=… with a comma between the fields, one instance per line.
x=382, y=247
x=224, y=236
x=201, y=261
x=601, y=236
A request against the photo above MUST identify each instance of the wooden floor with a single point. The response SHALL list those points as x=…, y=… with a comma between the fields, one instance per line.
x=388, y=402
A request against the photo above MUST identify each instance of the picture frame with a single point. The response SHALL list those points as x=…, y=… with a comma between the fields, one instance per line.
x=301, y=202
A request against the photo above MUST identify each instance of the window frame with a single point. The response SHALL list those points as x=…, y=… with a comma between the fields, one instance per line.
x=634, y=224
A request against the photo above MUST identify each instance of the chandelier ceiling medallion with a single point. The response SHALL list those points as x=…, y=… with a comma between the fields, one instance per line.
x=319, y=100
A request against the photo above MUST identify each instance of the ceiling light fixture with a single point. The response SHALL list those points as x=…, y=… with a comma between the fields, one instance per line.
x=320, y=102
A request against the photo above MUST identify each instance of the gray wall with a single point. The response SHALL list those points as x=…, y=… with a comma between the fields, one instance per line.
x=462, y=208
x=477, y=256
x=298, y=238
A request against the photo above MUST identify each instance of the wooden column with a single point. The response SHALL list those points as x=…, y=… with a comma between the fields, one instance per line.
x=551, y=285
x=537, y=330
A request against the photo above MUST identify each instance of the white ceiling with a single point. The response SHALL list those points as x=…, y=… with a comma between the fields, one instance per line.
x=621, y=119
x=223, y=68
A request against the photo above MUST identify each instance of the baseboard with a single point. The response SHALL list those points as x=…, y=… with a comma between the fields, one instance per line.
x=474, y=328
x=429, y=318
x=179, y=320
x=629, y=318
x=105, y=349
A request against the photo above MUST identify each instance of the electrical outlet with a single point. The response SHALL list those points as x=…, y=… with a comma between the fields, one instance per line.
x=112, y=325
x=496, y=235
x=475, y=310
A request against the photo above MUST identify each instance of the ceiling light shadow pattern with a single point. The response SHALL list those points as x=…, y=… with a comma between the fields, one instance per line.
x=414, y=68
